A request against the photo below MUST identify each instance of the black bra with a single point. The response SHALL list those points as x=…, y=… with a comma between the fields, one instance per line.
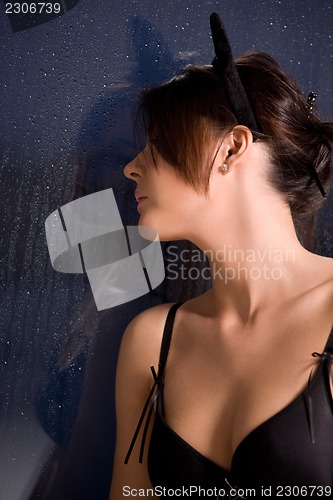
x=292, y=449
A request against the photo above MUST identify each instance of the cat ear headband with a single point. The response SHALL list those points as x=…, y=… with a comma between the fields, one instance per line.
x=225, y=66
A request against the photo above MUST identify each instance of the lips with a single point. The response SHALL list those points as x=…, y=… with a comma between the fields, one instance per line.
x=139, y=196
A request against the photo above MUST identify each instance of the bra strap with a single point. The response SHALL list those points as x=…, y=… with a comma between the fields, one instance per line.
x=166, y=339
x=149, y=405
x=326, y=360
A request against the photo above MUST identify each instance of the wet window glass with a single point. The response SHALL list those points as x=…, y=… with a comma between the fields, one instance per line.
x=70, y=75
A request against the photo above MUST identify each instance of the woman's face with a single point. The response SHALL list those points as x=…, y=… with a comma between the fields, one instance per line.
x=166, y=202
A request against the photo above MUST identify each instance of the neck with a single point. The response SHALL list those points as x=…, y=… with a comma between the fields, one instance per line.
x=252, y=260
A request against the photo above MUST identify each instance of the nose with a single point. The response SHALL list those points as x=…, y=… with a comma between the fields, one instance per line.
x=133, y=170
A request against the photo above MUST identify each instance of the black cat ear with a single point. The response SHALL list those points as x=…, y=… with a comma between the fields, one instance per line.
x=225, y=66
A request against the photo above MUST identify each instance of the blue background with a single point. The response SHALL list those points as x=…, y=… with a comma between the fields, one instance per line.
x=67, y=89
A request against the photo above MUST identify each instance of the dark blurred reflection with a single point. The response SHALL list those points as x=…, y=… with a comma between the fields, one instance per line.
x=76, y=405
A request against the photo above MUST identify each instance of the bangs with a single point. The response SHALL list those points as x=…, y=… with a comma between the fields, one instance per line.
x=184, y=118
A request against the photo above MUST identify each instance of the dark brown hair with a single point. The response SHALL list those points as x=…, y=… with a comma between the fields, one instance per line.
x=185, y=115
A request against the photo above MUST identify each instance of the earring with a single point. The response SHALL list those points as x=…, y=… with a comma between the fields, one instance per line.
x=225, y=167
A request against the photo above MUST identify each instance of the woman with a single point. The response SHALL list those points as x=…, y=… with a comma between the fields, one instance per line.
x=235, y=157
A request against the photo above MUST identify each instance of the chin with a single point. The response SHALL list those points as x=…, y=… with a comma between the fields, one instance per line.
x=148, y=230
x=145, y=221
x=148, y=233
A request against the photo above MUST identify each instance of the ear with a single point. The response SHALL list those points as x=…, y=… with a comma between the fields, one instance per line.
x=238, y=142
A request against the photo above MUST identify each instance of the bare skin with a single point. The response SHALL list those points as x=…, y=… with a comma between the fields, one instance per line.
x=244, y=348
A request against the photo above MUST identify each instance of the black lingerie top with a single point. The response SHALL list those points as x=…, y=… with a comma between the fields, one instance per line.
x=293, y=448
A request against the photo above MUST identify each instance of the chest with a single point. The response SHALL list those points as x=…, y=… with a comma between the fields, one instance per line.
x=279, y=453
x=218, y=389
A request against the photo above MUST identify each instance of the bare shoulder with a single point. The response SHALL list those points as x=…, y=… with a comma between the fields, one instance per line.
x=327, y=263
x=139, y=350
x=143, y=336
x=330, y=293
x=316, y=297
x=330, y=283
x=325, y=273
x=147, y=319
